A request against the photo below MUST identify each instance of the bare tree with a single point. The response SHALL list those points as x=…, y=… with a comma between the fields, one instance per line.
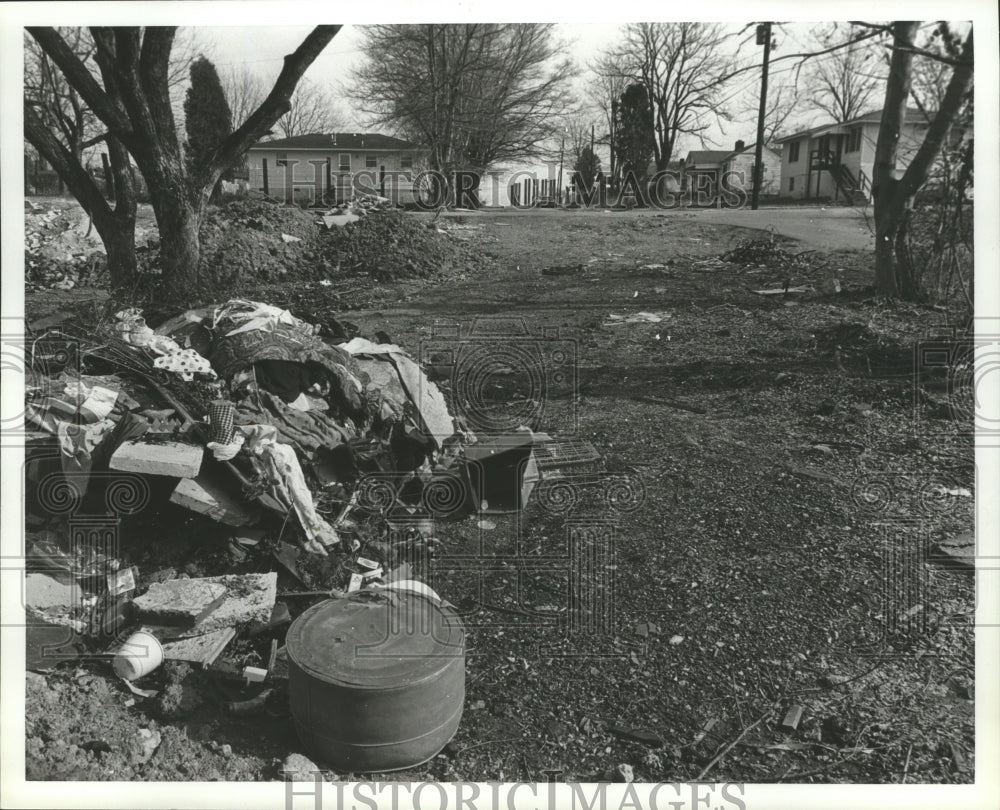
x=133, y=101
x=61, y=126
x=784, y=102
x=474, y=94
x=315, y=108
x=244, y=92
x=683, y=67
x=608, y=82
x=845, y=83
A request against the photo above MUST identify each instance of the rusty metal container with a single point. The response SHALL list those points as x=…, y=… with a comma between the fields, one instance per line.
x=376, y=680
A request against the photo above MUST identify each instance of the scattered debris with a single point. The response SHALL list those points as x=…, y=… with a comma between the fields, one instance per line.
x=637, y=317
x=641, y=735
x=138, y=655
x=623, y=773
x=792, y=718
x=298, y=768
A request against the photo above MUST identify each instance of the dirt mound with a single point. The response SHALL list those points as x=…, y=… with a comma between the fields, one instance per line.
x=249, y=241
x=391, y=245
x=258, y=242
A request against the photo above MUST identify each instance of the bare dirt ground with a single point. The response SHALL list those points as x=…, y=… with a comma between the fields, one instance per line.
x=778, y=454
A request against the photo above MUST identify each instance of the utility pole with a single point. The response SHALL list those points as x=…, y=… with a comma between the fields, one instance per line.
x=611, y=136
x=562, y=146
x=763, y=38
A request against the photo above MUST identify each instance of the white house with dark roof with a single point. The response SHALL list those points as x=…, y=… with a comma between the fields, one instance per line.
x=335, y=167
x=706, y=169
x=835, y=161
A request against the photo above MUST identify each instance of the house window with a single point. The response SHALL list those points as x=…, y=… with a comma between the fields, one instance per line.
x=791, y=184
x=793, y=152
x=854, y=139
x=282, y=159
x=406, y=162
x=371, y=161
x=345, y=162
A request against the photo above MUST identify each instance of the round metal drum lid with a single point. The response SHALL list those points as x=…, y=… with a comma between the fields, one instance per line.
x=375, y=639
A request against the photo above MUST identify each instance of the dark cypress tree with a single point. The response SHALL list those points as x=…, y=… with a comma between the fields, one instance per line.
x=634, y=131
x=207, y=118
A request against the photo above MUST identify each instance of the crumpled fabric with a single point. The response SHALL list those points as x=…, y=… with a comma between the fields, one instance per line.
x=288, y=485
x=76, y=443
x=226, y=452
x=131, y=327
x=424, y=394
x=232, y=355
x=254, y=316
x=306, y=431
x=185, y=362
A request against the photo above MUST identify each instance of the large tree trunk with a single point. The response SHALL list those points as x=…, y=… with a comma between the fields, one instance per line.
x=119, y=243
x=178, y=218
x=894, y=192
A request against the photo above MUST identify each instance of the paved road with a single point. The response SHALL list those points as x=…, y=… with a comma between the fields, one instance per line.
x=835, y=228
x=828, y=228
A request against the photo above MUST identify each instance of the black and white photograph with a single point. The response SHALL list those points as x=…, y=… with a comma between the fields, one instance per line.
x=476, y=405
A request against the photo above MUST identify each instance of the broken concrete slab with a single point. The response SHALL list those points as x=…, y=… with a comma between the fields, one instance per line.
x=46, y=592
x=179, y=602
x=176, y=459
x=249, y=599
x=206, y=496
x=203, y=649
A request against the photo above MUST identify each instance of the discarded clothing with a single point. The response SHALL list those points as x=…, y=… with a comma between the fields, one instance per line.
x=231, y=355
x=307, y=431
x=226, y=452
x=424, y=394
x=253, y=315
x=76, y=443
x=186, y=362
x=281, y=466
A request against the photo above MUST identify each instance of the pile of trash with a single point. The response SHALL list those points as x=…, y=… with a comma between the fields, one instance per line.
x=60, y=252
x=352, y=210
x=765, y=252
x=324, y=466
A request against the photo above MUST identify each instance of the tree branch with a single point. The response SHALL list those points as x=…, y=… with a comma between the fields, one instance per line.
x=154, y=68
x=938, y=56
x=82, y=81
x=916, y=173
x=66, y=166
x=277, y=103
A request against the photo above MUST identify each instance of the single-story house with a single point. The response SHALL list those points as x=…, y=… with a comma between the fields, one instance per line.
x=706, y=169
x=335, y=167
x=835, y=161
x=525, y=183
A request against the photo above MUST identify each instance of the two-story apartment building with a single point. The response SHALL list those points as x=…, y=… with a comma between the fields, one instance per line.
x=835, y=161
x=334, y=167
